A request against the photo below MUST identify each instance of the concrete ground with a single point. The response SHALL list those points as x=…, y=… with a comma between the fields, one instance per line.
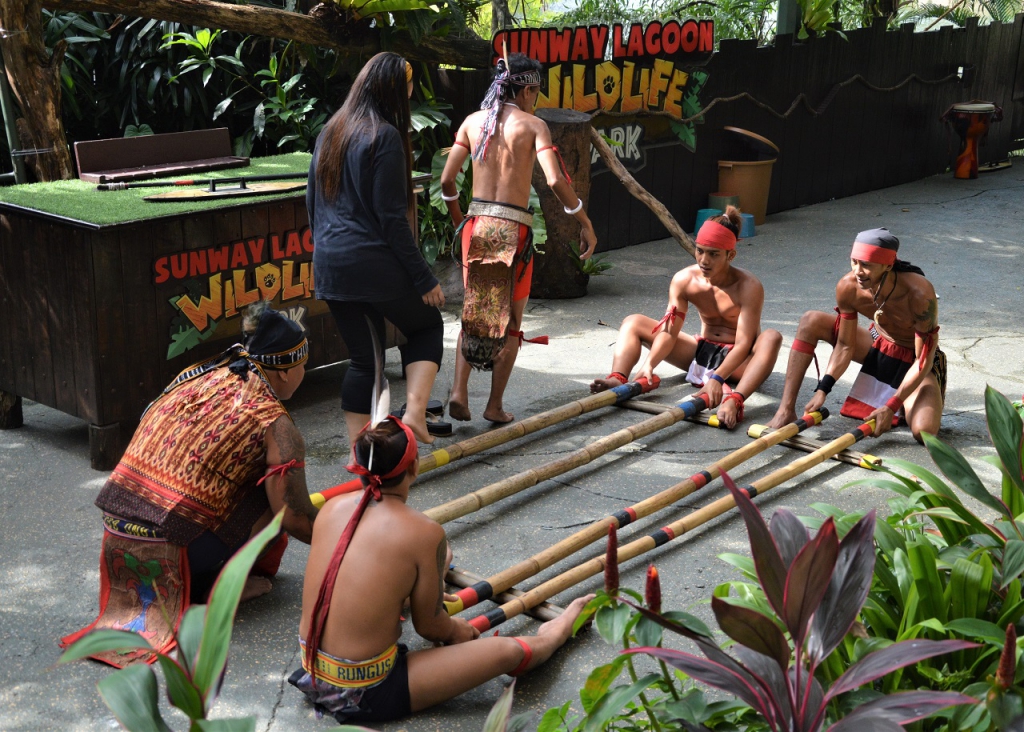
x=965, y=234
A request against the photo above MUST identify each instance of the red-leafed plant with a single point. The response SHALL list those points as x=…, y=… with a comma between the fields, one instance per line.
x=816, y=587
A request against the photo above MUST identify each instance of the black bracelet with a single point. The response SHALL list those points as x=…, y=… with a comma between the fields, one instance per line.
x=826, y=384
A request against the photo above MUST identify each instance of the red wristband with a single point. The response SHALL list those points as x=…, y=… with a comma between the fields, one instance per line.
x=895, y=404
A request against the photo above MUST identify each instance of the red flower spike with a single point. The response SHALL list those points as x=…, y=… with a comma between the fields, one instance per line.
x=1008, y=660
x=611, y=562
x=653, y=590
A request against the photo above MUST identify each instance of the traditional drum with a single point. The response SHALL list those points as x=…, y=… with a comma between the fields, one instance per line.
x=971, y=122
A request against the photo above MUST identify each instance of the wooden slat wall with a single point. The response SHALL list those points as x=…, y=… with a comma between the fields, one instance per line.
x=864, y=140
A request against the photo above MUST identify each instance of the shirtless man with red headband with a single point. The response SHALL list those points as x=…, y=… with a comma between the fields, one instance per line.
x=357, y=583
x=903, y=372
x=732, y=350
x=504, y=139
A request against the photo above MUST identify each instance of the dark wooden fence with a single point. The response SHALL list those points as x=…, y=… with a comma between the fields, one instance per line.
x=843, y=140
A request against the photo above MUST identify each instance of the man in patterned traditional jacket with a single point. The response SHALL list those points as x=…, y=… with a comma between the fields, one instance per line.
x=213, y=459
x=504, y=138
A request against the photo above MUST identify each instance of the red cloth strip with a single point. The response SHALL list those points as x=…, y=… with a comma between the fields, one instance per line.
x=618, y=375
x=460, y=144
x=527, y=657
x=802, y=346
x=929, y=339
x=318, y=618
x=805, y=347
x=670, y=318
x=281, y=469
x=846, y=316
x=894, y=403
x=739, y=399
x=715, y=235
x=872, y=253
x=560, y=161
x=540, y=340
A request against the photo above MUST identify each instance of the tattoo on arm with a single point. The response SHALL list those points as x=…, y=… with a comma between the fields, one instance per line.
x=292, y=447
x=442, y=555
x=929, y=318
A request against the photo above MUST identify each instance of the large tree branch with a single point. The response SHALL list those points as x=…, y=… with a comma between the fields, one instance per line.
x=631, y=185
x=328, y=28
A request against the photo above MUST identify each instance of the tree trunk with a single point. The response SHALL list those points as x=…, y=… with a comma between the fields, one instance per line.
x=501, y=16
x=326, y=26
x=34, y=76
x=557, y=272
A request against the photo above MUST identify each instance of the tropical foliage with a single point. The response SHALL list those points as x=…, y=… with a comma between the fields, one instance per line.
x=942, y=571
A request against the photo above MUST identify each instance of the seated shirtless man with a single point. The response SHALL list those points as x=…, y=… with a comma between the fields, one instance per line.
x=732, y=348
x=505, y=139
x=903, y=371
x=355, y=590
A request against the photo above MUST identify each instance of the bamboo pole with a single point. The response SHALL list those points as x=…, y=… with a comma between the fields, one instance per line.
x=711, y=420
x=808, y=444
x=510, y=486
x=487, y=440
x=666, y=534
x=486, y=589
x=460, y=577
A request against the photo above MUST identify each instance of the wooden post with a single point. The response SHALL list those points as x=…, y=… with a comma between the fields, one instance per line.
x=557, y=272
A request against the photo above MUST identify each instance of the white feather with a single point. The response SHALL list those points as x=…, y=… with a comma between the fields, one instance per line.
x=380, y=405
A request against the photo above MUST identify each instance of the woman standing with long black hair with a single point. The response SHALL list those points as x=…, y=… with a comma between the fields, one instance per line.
x=365, y=261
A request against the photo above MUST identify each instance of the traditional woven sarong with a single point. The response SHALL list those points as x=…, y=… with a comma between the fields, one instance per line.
x=218, y=422
x=709, y=356
x=881, y=375
x=494, y=237
x=144, y=580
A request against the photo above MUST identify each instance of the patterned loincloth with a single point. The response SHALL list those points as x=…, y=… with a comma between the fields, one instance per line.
x=707, y=358
x=881, y=375
x=144, y=582
x=491, y=245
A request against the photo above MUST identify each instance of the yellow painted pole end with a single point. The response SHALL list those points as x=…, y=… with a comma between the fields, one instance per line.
x=317, y=499
x=713, y=421
x=870, y=461
x=454, y=607
x=441, y=457
x=756, y=430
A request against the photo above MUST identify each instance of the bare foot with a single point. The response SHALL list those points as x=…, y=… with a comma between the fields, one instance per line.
x=554, y=633
x=782, y=418
x=599, y=385
x=418, y=425
x=459, y=411
x=727, y=413
x=498, y=416
x=255, y=586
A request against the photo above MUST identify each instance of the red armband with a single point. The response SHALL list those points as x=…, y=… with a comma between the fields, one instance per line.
x=460, y=144
x=895, y=404
x=527, y=657
x=670, y=318
x=928, y=340
x=281, y=469
x=560, y=161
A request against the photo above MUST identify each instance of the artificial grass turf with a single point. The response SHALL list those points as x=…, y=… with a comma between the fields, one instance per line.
x=76, y=199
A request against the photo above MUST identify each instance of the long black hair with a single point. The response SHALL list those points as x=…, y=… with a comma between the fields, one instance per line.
x=388, y=442
x=378, y=96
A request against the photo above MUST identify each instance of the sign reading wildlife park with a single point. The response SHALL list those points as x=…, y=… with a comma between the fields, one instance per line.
x=620, y=69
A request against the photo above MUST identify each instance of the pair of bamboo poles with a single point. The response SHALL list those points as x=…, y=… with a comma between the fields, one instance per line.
x=517, y=603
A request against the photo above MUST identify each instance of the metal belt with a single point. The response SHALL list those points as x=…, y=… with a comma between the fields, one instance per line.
x=500, y=211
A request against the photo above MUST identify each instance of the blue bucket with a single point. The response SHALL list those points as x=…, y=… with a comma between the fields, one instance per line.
x=703, y=214
x=747, y=229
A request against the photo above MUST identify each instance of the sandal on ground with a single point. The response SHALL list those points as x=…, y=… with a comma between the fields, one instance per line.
x=434, y=407
x=438, y=427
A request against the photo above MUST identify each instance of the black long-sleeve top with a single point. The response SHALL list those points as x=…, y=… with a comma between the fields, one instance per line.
x=364, y=249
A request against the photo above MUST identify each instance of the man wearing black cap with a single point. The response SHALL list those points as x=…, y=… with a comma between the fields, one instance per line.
x=214, y=458
x=903, y=372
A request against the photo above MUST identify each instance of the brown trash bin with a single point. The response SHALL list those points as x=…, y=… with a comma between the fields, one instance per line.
x=751, y=177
